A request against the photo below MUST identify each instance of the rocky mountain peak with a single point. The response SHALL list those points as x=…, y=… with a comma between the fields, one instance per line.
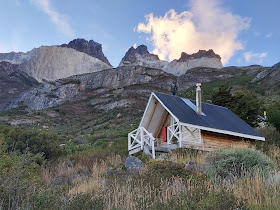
x=200, y=54
x=90, y=47
x=140, y=53
x=142, y=50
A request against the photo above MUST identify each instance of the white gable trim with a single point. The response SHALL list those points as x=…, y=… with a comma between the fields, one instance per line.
x=146, y=109
x=225, y=132
x=176, y=119
x=149, y=101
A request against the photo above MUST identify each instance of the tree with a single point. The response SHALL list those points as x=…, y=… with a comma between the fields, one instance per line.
x=247, y=106
x=244, y=104
x=273, y=115
x=223, y=97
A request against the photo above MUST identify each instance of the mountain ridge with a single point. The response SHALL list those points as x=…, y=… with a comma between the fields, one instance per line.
x=141, y=56
x=90, y=47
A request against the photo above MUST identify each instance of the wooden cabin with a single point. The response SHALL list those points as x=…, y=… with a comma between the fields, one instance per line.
x=171, y=122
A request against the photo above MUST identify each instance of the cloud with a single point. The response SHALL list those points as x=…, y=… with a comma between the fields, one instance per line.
x=268, y=35
x=207, y=25
x=250, y=55
x=18, y=3
x=58, y=19
x=134, y=45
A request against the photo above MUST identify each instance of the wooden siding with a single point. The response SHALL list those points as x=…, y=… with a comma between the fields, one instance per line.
x=190, y=135
x=213, y=141
x=166, y=123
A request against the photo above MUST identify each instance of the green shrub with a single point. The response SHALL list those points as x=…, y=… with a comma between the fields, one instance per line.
x=33, y=140
x=273, y=115
x=156, y=171
x=84, y=201
x=228, y=163
x=272, y=137
x=202, y=198
x=167, y=169
x=45, y=200
x=20, y=177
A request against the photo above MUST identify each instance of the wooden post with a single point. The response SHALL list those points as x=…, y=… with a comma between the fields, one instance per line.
x=129, y=142
x=180, y=135
x=153, y=149
x=142, y=137
x=168, y=136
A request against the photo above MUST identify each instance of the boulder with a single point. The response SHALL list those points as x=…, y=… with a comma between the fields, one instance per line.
x=133, y=164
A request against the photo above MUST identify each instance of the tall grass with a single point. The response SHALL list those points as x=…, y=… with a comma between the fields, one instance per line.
x=146, y=191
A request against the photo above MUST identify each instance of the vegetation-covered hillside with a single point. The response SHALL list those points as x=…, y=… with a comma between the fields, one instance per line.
x=72, y=156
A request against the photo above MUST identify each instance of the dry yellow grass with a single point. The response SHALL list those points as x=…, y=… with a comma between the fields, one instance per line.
x=129, y=192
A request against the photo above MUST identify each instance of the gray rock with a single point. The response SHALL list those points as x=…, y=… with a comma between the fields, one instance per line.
x=51, y=63
x=80, y=141
x=96, y=101
x=55, y=93
x=90, y=47
x=17, y=122
x=191, y=166
x=269, y=77
x=141, y=56
x=133, y=164
x=13, y=82
x=115, y=104
x=112, y=172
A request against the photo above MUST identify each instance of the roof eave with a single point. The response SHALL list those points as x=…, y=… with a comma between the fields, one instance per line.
x=260, y=138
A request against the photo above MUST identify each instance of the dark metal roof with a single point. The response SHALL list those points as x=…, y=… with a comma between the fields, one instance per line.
x=216, y=117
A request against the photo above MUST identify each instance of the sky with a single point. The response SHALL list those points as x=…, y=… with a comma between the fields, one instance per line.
x=242, y=32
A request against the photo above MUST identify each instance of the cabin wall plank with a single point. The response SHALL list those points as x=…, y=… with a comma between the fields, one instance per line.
x=190, y=136
x=213, y=141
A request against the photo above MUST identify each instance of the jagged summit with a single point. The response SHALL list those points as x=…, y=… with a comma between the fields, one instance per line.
x=132, y=55
x=48, y=63
x=202, y=58
x=52, y=62
x=142, y=57
x=200, y=54
x=90, y=47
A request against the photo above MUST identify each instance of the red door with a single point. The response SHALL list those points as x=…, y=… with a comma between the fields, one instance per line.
x=164, y=138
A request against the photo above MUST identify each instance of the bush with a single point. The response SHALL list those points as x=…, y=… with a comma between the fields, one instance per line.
x=84, y=201
x=156, y=171
x=272, y=137
x=45, y=200
x=34, y=140
x=228, y=163
x=20, y=177
x=273, y=115
x=167, y=169
x=202, y=198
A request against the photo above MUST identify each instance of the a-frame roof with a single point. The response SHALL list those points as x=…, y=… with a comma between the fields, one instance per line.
x=215, y=118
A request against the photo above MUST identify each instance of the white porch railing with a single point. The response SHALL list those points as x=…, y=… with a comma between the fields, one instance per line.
x=139, y=138
x=174, y=130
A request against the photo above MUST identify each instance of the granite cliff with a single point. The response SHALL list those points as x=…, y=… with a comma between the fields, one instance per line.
x=48, y=63
x=202, y=58
x=141, y=56
x=133, y=80
x=51, y=63
x=90, y=47
x=13, y=82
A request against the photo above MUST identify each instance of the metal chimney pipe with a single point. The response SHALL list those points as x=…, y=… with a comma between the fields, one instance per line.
x=198, y=98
